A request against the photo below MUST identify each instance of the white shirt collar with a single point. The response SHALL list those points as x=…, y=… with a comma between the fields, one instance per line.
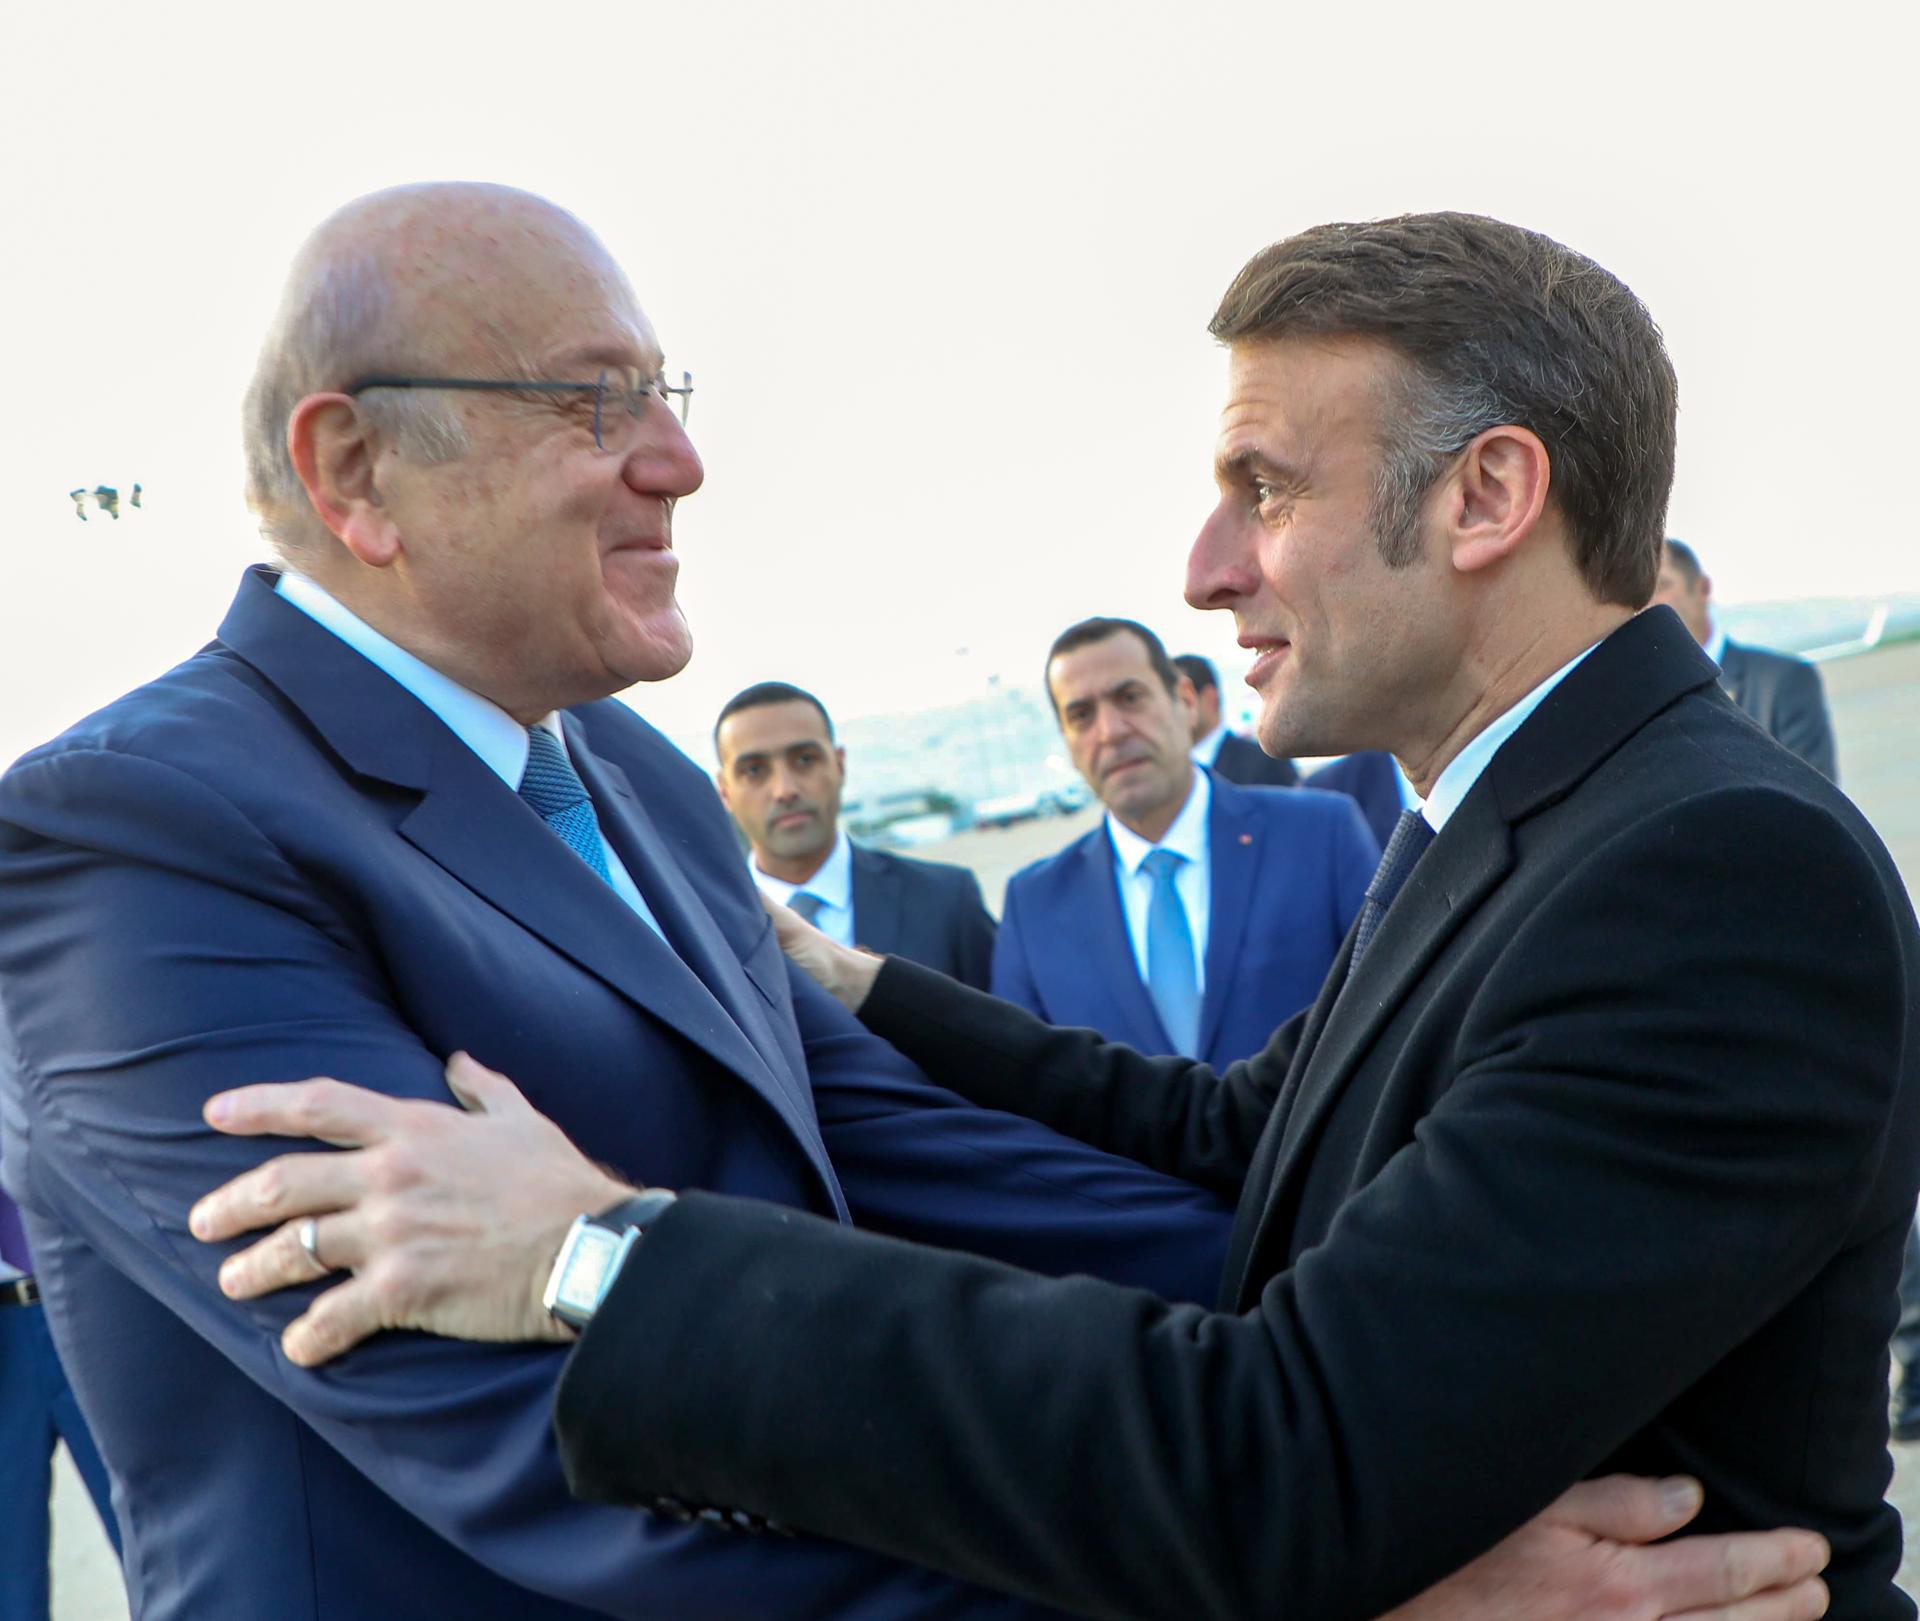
x=478, y=722
x=1207, y=750
x=1463, y=771
x=833, y=883
x=1716, y=648
x=1187, y=836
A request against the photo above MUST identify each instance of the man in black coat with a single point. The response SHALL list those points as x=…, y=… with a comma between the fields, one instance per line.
x=1782, y=693
x=781, y=776
x=1596, y=1150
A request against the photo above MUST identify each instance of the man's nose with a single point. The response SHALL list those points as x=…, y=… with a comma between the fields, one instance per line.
x=663, y=460
x=1221, y=566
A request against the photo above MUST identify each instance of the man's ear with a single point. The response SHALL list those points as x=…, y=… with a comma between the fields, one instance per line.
x=1497, y=496
x=334, y=453
x=720, y=784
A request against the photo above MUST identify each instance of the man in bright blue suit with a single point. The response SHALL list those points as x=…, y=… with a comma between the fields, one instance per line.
x=1199, y=916
x=389, y=815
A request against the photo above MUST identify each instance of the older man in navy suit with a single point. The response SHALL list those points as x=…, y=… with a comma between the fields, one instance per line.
x=1199, y=915
x=391, y=813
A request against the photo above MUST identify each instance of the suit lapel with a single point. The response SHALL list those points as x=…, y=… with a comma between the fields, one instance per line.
x=1645, y=665
x=1454, y=877
x=1234, y=853
x=877, y=915
x=1733, y=674
x=476, y=828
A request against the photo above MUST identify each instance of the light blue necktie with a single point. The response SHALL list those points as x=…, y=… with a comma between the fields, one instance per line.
x=806, y=903
x=1172, y=979
x=554, y=789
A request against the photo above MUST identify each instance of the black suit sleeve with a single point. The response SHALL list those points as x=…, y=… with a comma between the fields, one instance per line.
x=1096, y=1448
x=1170, y=1113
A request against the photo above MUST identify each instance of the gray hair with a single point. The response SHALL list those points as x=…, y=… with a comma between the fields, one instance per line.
x=1430, y=421
x=337, y=321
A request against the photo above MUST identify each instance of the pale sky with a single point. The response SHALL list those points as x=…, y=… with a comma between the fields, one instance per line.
x=942, y=273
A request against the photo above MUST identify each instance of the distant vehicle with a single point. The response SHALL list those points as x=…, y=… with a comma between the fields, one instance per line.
x=1007, y=810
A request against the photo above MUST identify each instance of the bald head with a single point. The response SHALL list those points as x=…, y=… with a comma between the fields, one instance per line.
x=448, y=277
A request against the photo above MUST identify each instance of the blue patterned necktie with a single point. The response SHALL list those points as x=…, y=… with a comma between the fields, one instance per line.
x=1411, y=836
x=1172, y=979
x=806, y=903
x=554, y=789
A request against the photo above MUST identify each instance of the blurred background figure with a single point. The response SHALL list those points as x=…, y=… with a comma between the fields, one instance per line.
x=1373, y=780
x=1200, y=915
x=1226, y=753
x=781, y=776
x=37, y=1412
x=1782, y=693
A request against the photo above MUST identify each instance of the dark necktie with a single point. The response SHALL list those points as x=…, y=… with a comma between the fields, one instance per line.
x=554, y=789
x=1172, y=980
x=1411, y=836
x=806, y=903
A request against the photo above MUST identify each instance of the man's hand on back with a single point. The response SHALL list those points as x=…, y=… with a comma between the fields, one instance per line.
x=1586, y=1558
x=448, y=1219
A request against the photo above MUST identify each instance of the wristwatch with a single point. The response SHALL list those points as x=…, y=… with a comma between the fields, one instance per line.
x=592, y=1252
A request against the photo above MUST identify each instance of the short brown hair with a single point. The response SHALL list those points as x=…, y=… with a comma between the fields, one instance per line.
x=1495, y=325
x=1088, y=631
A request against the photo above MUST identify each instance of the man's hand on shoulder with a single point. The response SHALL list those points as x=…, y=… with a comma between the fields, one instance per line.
x=1588, y=1557
x=447, y=1219
x=845, y=973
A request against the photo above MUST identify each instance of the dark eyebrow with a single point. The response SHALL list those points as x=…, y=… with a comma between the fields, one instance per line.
x=1247, y=464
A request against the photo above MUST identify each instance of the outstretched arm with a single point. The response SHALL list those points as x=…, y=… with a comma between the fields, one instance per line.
x=433, y=1212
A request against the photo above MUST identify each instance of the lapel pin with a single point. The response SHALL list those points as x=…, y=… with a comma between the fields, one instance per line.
x=1246, y=838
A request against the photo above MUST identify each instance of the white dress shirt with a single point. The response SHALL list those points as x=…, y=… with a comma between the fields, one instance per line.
x=1207, y=751
x=1463, y=771
x=1716, y=648
x=1193, y=881
x=832, y=886
x=481, y=724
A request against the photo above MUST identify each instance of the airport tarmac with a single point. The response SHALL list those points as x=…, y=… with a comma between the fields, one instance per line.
x=1876, y=708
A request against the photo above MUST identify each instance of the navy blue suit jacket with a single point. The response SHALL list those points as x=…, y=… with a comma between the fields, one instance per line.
x=1371, y=781
x=928, y=911
x=1289, y=871
x=274, y=862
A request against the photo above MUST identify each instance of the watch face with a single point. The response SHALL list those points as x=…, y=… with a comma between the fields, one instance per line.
x=588, y=1267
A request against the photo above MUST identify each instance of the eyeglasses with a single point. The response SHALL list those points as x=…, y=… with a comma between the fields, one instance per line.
x=613, y=392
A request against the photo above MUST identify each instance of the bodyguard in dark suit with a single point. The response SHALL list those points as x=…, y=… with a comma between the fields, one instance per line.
x=1608, y=1106
x=1260, y=888
x=1223, y=752
x=1782, y=693
x=1372, y=781
x=781, y=776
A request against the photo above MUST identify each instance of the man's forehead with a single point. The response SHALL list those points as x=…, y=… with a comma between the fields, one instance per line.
x=1099, y=667
x=1288, y=398
x=769, y=728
